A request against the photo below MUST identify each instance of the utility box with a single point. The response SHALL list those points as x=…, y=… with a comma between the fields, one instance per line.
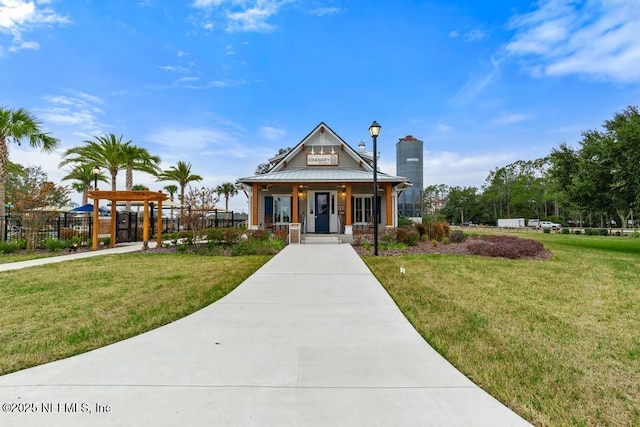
x=294, y=233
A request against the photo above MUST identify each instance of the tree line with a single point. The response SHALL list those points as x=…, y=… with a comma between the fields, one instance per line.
x=98, y=159
x=596, y=183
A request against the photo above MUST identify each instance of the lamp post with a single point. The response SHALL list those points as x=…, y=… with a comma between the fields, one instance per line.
x=96, y=171
x=203, y=191
x=374, y=131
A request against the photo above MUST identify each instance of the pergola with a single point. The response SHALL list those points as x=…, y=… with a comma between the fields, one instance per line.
x=145, y=196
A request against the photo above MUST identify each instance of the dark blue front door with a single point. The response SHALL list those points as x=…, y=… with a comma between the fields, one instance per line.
x=322, y=212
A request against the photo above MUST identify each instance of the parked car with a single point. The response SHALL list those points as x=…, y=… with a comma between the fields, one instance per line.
x=468, y=224
x=550, y=225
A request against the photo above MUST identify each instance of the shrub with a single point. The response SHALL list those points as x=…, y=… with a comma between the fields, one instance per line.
x=457, y=236
x=215, y=235
x=445, y=241
x=434, y=243
x=565, y=231
x=437, y=230
x=577, y=232
x=504, y=247
x=9, y=247
x=232, y=235
x=259, y=235
x=281, y=235
x=388, y=236
x=421, y=229
x=603, y=231
x=55, y=245
x=618, y=234
x=404, y=221
x=408, y=235
x=546, y=230
x=257, y=247
x=362, y=239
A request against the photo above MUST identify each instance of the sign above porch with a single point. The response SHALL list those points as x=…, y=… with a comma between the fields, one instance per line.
x=322, y=160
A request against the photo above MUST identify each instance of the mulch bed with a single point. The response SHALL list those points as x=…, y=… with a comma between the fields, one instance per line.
x=428, y=248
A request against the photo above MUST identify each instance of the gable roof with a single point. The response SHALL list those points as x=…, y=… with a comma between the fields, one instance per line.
x=364, y=173
x=321, y=128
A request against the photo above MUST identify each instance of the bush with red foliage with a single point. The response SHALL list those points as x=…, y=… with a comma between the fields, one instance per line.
x=504, y=247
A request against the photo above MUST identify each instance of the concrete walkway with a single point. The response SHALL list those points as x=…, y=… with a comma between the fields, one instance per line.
x=311, y=338
x=119, y=249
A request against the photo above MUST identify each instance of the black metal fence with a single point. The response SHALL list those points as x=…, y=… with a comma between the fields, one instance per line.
x=79, y=228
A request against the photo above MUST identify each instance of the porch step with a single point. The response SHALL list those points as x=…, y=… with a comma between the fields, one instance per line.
x=319, y=239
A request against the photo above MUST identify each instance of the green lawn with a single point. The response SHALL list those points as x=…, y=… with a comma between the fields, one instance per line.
x=58, y=310
x=558, y=340
x=13, y=257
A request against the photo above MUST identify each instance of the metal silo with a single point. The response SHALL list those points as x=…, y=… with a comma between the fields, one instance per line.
x=409, y=164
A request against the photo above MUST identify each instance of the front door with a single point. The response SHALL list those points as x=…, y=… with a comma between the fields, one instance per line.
x=322, y=212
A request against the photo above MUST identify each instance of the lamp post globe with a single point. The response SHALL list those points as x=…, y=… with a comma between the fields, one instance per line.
x=374, y=131
x=96, y=171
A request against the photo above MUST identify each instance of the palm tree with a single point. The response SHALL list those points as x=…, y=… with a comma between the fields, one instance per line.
x=138, y=158
x=171, y=189
x=181, y=173
x=84, y=179
x=14, y=168
x=16, y=126
x=226, y=189
x=105, y=151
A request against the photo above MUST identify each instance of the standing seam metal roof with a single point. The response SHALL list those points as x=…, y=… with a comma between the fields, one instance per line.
x=321, y=175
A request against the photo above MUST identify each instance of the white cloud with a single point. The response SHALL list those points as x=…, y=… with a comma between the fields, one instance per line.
x=443, y=128
x=510, y=118
x=271, y=133
x=477, y=83
x=18, y=17
x=80, y=109
x=239, y=15
x=595, y=38
x=474, y=35
x=453, y=34
x=326, y=11
x=200, y=140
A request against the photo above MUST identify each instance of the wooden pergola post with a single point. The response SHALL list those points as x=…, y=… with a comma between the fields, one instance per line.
x=145, y=196
x=145, y=226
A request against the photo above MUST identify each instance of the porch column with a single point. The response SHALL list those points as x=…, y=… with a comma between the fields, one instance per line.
x=387, y=193
x=347, y=203
x=294, y=203
x=254, y=206
x=348, y=226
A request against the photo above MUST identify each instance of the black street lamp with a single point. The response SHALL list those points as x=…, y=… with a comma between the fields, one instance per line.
x=203, y=191
x=374, y=131
x=96, y=171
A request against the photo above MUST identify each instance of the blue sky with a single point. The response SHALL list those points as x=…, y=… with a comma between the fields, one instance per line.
x=224, y=84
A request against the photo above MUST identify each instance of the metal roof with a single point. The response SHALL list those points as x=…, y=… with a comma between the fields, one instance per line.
x=321, y=175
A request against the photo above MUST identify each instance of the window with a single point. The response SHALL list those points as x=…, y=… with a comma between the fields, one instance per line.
x=282, y=209
x=361, y=209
